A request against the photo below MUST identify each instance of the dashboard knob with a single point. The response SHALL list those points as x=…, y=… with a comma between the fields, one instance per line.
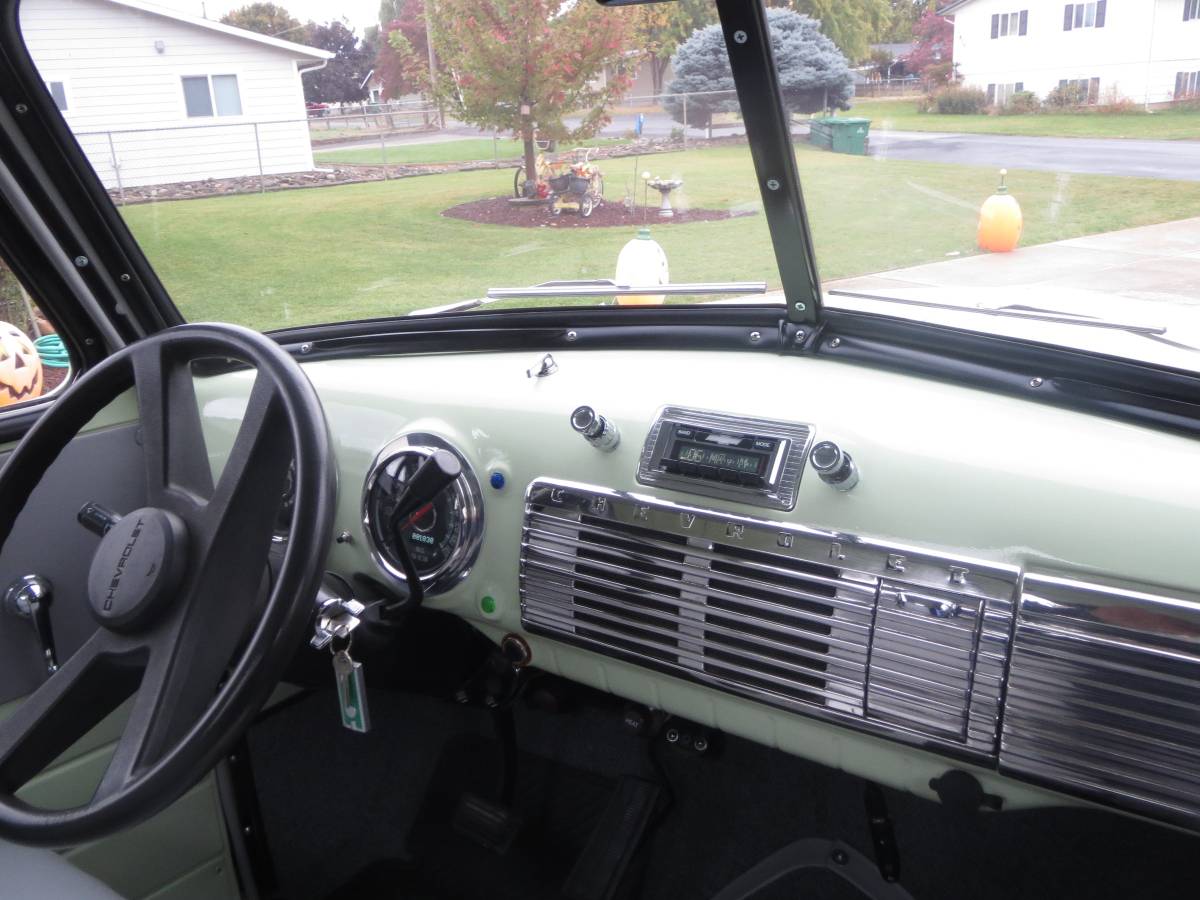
x=834, y=465
x=597, y=430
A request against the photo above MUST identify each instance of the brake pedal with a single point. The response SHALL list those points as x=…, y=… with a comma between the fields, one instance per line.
x=488, y=824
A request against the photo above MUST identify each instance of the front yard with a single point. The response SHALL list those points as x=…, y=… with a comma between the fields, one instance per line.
x=1167, y=124
x=383, y=248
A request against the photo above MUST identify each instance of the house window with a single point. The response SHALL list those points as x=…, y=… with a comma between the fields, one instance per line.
x=1000, y=94
x=1191, y=10
x=205, y=95
x=1087, y=15
x=1088, y=88
x=1187, y=84
x=1010, y=24
x=59, y=92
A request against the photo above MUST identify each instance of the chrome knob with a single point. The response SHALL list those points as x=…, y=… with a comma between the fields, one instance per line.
x=596, y=430
x=834, y=465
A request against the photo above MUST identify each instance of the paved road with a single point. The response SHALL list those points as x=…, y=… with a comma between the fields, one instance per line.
x=1172, y=160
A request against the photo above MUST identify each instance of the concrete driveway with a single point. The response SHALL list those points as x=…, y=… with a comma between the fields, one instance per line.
x=1172, y=160
x=1154, y=264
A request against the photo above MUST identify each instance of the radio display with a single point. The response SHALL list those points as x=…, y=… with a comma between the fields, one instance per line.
x=721, y=458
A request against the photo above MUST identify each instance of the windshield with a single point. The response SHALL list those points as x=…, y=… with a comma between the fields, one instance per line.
x=310, y=162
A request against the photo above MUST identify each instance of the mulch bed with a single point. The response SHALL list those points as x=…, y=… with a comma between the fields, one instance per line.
x=498, y=211
x=52, y=377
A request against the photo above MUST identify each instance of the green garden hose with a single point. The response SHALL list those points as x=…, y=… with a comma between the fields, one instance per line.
x=52, y=351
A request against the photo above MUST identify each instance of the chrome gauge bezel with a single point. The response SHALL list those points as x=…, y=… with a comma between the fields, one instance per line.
x=458, y=565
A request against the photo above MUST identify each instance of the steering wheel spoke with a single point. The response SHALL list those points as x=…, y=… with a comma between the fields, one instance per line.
x=97, y=679
x=177, y=466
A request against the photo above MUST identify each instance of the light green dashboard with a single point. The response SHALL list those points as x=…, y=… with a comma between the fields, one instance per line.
x=943, y=468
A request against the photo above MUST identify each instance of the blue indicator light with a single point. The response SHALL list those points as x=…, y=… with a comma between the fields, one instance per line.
x=497, y=480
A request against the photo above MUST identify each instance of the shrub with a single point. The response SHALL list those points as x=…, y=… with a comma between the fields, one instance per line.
x=1022, y=103
x=1116, y=103
x=937, y=76
x=1066, y=96
x=676, y=134
x=956, y=101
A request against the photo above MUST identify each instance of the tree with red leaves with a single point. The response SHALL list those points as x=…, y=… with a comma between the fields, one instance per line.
x=402, y=63
x=934, y=36
x=522, y=65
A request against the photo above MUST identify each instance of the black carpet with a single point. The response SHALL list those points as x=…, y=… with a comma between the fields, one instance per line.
x=368, y=816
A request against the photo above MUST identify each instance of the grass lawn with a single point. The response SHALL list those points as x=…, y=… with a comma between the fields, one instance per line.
x=466, y=150
x=1169, y=124
x=383, y=248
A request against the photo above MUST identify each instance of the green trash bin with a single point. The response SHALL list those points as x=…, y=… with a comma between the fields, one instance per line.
x=841, y=135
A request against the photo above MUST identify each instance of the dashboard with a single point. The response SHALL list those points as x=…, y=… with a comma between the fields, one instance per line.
x=890, y=575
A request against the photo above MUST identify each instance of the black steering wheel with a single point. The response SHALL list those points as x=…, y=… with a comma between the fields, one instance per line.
x=190, y=624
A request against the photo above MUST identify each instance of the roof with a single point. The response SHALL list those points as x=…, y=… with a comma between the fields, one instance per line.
x=229, y=30
x=952, y=6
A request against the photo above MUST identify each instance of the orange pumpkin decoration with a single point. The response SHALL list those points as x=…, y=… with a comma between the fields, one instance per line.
x=1000, y=220
x=20, y=366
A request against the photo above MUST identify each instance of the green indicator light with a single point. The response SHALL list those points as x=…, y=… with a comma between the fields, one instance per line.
x=488, y=605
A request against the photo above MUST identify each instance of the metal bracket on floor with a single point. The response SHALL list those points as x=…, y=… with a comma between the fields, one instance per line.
x=815, y=854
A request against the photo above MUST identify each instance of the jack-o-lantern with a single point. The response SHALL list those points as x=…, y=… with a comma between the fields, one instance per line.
x=20, y=366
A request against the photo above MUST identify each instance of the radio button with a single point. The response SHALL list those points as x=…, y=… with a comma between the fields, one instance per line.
x=751, y=480
x=689, y=468
x=709, y=472
x=671, y=466
x=728, y=475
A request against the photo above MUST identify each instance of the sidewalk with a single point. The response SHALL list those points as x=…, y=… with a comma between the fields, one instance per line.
x=1152, y=264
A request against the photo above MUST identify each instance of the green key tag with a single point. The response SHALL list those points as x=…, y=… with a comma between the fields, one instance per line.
x=352, y=692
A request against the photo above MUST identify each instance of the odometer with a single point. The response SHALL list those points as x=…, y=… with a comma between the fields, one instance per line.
x=442, y=536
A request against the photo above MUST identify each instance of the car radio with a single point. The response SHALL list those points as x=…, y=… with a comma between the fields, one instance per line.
x=755, y=461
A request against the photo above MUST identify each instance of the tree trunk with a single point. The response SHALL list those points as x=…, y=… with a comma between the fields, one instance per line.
x=530, y=154
x=658, y=69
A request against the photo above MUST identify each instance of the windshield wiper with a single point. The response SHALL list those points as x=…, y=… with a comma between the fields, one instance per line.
x=600, y=287
x=1017, y=311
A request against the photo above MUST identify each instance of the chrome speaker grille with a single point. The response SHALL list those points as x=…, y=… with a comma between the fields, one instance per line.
x=794, y=617
x=1104, y=696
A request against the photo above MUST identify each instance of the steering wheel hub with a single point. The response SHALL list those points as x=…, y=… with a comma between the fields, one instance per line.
x=137, y=568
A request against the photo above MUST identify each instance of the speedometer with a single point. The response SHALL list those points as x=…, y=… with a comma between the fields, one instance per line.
x=442, y=537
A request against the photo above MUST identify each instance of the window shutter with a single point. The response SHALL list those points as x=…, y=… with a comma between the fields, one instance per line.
x=1094, y=91
x=1019, y=86
x=1101, y=6
x=1024, y=22
x=1068, y=16
x=991, y=95
x=995, y=26
x=1179, y=82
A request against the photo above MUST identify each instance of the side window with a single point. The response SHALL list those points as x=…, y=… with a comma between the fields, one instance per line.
x=34, y=361
x=204, y=96
x=1191, y=10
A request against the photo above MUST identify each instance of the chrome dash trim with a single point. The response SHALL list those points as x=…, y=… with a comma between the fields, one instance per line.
x=888, y=638
x=1104, y=696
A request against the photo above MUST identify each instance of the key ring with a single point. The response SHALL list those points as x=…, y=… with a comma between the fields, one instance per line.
x=333, y=648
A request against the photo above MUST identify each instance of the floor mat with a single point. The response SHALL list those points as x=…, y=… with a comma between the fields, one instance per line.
x=557, y=805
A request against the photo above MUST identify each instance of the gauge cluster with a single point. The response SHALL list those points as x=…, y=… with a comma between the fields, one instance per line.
x=443, y=536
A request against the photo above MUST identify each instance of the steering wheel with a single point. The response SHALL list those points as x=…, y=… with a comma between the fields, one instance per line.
x=189, y=623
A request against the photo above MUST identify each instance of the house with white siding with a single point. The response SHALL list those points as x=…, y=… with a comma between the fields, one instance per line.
x=155, y=96
x=1147, y=51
